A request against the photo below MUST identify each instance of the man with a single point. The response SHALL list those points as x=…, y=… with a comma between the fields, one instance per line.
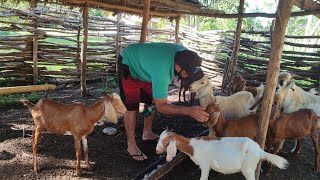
x=146, y=70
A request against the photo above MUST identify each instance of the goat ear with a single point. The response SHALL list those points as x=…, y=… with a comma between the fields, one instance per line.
x=290, y=84
x=171, y=150
x=213, y=118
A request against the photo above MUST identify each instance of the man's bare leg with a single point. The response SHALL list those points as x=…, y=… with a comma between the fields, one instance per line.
x=147, y=128
x=130, y=120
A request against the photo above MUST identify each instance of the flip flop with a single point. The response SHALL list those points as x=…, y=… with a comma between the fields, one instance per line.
x=131, y=156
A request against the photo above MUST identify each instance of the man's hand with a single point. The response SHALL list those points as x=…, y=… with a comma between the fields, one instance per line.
x=198, y=113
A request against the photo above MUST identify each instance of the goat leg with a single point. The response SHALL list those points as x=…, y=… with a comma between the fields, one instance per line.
x=180, y=89
x=314, y=138
x=298, y=147
x=78, y=155
x=204, y=172
x=276, y=143
x=295, y=147
x=192, y=97
x=184, y=95
x=36, y=136
x=85, y=151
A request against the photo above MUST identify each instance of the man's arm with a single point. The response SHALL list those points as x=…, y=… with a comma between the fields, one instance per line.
x=196, y=112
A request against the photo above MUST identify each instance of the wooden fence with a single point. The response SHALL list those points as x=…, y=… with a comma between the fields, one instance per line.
x=59, y=34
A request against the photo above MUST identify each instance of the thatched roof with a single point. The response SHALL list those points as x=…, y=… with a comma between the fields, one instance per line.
x=166, y=8
x=175, y=8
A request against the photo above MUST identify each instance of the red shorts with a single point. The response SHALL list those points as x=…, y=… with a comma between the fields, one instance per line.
x=134, y=91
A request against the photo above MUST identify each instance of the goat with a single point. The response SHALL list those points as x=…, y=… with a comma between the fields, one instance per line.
x=296, y=125
x=184, y=86
x=292, y=98
x=225, y=155
x=244, y=127
x=235, y=106
x=76, y=119
x=238, y=83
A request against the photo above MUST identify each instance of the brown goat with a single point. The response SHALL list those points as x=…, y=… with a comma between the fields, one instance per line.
x=238, y=83
x=243, y=127
x=76, y=119
x=296, y=125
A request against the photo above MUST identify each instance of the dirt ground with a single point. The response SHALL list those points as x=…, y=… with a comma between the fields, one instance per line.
x=107, y=153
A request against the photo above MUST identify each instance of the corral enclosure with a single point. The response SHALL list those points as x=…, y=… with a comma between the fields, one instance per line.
x=58, y=29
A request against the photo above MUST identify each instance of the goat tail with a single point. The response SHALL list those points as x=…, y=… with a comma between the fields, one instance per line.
x=276, y=160
x=27, y=103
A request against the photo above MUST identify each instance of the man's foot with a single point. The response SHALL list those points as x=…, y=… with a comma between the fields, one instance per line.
x=149, y=136
x=137, y=157
x=136, y=154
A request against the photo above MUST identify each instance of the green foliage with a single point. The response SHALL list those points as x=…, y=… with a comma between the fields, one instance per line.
x=14, y=99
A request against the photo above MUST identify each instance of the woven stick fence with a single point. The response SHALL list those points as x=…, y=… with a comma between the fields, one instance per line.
x=59, y=32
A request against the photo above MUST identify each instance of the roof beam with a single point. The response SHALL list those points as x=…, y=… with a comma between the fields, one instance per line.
x=315, y=12
x=119, y=8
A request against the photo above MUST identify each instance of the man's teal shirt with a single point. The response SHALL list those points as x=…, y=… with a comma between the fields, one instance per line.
x=152, y=62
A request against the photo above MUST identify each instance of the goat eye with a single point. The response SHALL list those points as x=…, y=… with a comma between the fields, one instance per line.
x=202, y=82
x=281, y=82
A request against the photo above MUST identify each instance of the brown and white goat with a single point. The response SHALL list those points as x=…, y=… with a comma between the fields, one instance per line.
x=244, y=127
x=225, y=155
x=238, y=83
x=296, y=125
x=75, y=119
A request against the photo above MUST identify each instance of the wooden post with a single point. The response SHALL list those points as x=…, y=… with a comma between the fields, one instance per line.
x=176, y=31
x=85, y=14
x=144, y=26
x=78, y=48
x=282, y=18
x=118, y=47
x=33, y=5
x=236, y=44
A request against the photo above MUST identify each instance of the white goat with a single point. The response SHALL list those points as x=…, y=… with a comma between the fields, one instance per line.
x=292, y=98
x=225, y=155
x=233, y=107
x=76, y=119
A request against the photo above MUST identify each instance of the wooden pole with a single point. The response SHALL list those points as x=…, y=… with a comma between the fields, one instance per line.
x=85, y=14
x=176, y=31
x=78, y=49
x=23, y=89
x=236, y=44
x=144, y=27
x=282, y=18
x=118, y=47
x=33, y=5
